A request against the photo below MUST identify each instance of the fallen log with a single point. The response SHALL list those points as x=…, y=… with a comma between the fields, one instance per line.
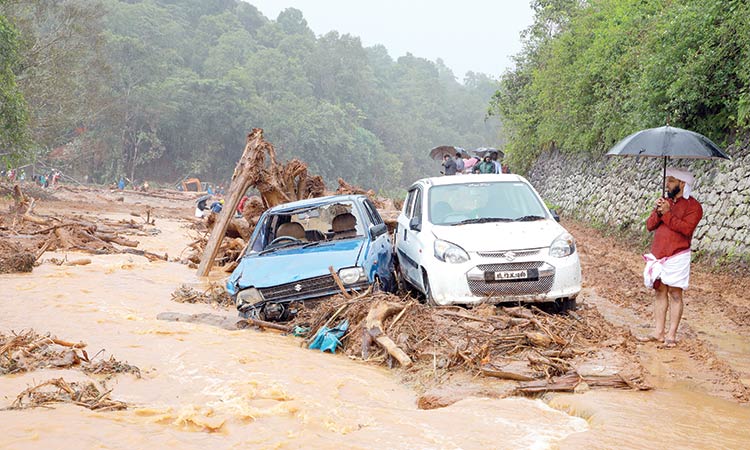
x=379, y=312
x=511, y=370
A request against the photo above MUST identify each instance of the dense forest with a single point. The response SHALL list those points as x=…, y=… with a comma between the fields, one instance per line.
x=592, y=72
x=163, y=89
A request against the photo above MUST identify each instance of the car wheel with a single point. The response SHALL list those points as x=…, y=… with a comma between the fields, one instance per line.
x=428, y=298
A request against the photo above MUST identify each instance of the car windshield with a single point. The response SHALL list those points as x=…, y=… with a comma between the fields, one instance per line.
x=504, y=201
x=308, y=226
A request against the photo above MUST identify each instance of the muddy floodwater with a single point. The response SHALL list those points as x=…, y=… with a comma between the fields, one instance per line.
x=206, y=387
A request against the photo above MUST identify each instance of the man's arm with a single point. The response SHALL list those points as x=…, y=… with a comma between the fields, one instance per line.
x=653, y=221
x=684, y=225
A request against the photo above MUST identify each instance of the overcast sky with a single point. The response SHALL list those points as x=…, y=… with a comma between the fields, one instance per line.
x=476, y=35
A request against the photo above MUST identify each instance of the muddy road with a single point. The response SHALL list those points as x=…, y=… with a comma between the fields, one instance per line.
x=201, y=385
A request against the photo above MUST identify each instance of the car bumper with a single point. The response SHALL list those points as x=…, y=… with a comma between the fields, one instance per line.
x=473, y=282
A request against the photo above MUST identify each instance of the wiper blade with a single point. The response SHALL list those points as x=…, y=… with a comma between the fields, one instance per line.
x=311, y=244
x=271, y=250
x=529, y=218
x=484, y=220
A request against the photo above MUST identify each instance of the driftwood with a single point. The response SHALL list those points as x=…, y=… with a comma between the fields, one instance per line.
x=571, y=380
x=277, y=184
x=511, y=370
x=379, y=312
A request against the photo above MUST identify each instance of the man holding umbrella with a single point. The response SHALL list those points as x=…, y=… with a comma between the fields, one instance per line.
x=673, y=222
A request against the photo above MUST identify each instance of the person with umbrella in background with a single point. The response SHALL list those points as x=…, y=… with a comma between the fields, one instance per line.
x=449, y=164
x=667, y=270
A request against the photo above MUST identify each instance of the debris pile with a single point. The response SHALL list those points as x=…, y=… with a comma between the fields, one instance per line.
x=29, y=351
x=214, y=295
x=541, y=351
x=60, y=391
x=27, y=235
x=15, y=258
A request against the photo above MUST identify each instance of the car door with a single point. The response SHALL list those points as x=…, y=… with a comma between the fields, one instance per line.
x=407, y=242
x=380, y=247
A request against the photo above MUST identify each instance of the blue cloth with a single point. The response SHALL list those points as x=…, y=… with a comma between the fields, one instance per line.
x=216, y=207
x=121, y=184
x=329, y=338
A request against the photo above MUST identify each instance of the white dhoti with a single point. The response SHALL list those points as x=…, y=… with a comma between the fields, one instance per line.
x=671, y=270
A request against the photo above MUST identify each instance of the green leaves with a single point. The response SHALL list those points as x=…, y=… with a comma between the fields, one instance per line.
x=615, y=66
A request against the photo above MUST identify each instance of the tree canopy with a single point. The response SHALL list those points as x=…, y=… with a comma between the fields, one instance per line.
x=592, y=72
x=166, y=89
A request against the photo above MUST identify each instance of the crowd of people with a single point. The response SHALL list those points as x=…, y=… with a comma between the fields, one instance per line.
x=45, y=180
x=464, y=164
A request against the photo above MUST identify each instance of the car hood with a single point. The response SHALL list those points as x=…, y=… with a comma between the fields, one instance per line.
x=501, y=236
x=289, y=265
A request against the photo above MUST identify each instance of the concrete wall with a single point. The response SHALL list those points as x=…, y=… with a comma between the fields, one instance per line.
x=620, y=192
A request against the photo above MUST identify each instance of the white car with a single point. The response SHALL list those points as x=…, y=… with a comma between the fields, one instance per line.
x=470, y=239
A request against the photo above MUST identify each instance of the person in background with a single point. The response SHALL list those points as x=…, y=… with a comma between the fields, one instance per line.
x=449, y=164
x=459, y=163
x=667, y=270
x=493, y=158
x=217, y=206
x=485, y=166
x=121, y=184
x=470, y=163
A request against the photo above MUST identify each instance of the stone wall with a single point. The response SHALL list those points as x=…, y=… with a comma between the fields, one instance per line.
x=620, y=192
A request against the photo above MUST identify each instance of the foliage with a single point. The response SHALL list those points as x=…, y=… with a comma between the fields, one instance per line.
x=592, y=72
x=171, y=89
x=13, y=113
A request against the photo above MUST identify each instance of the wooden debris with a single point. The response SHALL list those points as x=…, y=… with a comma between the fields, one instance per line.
x=60, y=391
x=379, y=312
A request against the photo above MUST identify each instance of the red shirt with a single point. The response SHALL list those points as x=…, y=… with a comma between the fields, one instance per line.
x=674, y=229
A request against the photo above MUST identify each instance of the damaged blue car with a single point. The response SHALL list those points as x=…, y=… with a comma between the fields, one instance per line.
x=295, y=245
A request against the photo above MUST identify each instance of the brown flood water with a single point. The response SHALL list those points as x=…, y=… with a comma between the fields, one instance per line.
x=207, y=387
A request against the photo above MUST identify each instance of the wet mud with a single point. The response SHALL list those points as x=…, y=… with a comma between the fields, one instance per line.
x=202, y=385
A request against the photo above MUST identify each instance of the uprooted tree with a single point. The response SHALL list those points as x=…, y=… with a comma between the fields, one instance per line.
x=276, y=183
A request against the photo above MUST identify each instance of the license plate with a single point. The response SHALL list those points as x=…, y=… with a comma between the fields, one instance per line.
x=512, y=275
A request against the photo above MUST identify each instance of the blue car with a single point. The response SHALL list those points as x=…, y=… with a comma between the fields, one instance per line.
x=293, y=247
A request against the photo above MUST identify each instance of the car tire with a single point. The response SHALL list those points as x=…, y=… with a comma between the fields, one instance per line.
x=429, y=300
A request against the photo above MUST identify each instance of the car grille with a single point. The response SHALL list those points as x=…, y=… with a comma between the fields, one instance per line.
x=506, y=254
x=305, y=289
x=511, y=288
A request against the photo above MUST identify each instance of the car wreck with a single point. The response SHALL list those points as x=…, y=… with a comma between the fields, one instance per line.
x=299, y=249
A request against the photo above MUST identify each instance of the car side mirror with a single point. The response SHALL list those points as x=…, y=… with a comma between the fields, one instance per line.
x=377, y=230
x=555, y=215
x=415, y=223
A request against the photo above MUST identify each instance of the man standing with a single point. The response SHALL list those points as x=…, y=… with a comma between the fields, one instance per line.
x=459, y=163
x=486, y=166
x=449, y=164
x=668, y=265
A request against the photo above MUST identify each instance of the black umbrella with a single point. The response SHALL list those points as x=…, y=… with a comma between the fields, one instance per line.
x=668, y=142
x=481, y=151
x=439, y=152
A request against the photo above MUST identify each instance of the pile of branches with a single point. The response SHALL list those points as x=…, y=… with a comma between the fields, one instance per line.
x=57, y=390
x=29, y=351
x=37, y=234
x=537, y=349
x=214, y=295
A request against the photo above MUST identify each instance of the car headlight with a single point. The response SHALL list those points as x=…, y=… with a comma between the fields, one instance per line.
x=248, y=297
x=351, y=275
x=564, y=245
x=451, y=253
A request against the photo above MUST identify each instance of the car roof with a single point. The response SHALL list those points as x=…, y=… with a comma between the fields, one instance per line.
x=313, y=202
x=470, y=178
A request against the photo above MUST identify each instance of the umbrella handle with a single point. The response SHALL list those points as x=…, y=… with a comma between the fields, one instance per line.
x=664, y=178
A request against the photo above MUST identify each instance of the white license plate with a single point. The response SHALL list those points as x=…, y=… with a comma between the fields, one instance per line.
x=511, y=275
